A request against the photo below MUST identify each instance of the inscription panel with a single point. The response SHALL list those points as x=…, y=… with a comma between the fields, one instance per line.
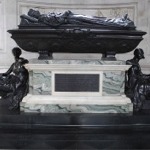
x=77, y=82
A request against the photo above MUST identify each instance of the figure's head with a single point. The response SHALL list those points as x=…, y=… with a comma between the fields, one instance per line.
x=16, y=52
x=139, y=53
x=34, y=13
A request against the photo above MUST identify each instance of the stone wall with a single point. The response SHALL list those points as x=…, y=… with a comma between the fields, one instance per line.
x=10, y=10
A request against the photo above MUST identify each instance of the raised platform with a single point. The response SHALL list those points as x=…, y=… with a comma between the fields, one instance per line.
x=77, y=86
x=58, y=104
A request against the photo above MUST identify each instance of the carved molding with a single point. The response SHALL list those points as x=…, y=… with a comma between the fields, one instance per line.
x=108, y=10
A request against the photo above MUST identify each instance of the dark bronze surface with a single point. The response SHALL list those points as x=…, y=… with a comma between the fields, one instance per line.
x=79, y=39
x=75, y=37
x=53, y=20
x=14, y=83
x=137, y=83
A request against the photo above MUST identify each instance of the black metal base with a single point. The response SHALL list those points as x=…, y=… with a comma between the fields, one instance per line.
x=76, y=39
x=109, y=56
x=45, y=55
x=73, y=131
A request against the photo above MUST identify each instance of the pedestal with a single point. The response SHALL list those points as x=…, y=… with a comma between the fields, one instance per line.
x=76, y=86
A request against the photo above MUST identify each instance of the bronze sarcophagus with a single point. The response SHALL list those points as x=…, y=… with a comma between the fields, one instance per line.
x=73, y=33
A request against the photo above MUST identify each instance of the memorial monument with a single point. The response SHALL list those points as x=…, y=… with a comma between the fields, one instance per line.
x=76, y=86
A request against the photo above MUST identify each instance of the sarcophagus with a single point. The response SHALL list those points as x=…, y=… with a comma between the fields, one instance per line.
x=73, y=33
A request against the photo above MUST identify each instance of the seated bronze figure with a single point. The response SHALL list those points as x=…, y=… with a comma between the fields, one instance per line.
x=137, y=83
x=14, y=83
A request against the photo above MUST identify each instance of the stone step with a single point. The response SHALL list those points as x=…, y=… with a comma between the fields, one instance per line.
x=68, y=104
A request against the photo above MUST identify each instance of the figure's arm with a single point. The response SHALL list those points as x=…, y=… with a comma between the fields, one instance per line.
x=22, y=73
x=9, y=70
x=30, y=19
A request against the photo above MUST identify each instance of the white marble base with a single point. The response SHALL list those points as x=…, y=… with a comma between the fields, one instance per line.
x=59, y=104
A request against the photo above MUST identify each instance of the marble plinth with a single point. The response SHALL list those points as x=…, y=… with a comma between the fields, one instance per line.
x=108, y=97
x=58, y=104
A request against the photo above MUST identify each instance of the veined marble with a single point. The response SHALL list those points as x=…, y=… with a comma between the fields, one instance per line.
x=113, y=82
x=77, y=61
x=41, y=79
x=57, y=104
x=57, y=108
x=40, y=82
x=109, y=98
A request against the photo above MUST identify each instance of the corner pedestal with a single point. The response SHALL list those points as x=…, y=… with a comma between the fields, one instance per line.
x=76, y=86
